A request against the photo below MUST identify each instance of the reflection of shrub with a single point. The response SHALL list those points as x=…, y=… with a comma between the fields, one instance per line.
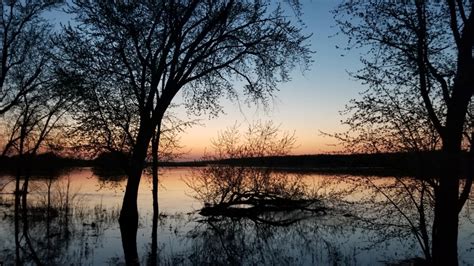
x=221, y=184
x=244, y=191
x=250, y=192
x=58, y=224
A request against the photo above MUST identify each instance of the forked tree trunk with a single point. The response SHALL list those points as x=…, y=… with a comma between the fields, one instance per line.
x=446, y=213
x=445, y=226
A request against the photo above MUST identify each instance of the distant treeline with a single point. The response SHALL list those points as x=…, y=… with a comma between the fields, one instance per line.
x=416, y=164
x=41, y=164
x=403, y=163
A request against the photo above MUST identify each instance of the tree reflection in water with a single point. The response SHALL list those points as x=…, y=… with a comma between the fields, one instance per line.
x=385, y=210
x=230, y=241
x=362, y=224
x=393, y=209
x=260, y=194
x=263, y=216
x=400, y=207
x=53, y=219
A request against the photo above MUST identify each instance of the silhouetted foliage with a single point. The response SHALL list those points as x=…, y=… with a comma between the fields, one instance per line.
x=24, y=49
x=31, y=102
x=134, y=57
x=111, y=159
x=240, y=191
x=410, y=73
x=419, y=72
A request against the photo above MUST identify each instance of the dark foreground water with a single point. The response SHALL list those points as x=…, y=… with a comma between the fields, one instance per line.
x=72, y=220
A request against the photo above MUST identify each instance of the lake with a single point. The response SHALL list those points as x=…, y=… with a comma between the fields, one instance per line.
x=73, y=219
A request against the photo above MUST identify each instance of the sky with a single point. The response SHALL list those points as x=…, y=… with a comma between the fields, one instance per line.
x=307, y=105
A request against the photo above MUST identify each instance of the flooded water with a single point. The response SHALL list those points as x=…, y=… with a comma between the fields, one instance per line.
x=73, y=220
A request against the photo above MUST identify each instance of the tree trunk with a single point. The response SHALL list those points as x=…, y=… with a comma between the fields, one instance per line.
x=445, y=226
x=17, y=226
x=156, y=143
x=129, y=213
x=24, y=197
x=154, y=231
x=17, y=204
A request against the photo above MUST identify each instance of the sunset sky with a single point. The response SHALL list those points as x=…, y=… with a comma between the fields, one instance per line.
x=308, y=104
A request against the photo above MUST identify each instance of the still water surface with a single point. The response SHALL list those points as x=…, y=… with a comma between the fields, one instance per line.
x=360, y=226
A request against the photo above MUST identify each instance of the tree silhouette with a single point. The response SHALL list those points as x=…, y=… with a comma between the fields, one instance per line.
x=31, y=101
x=23, y=49
x=225, y=187
x=134, y=57
x=418, y=70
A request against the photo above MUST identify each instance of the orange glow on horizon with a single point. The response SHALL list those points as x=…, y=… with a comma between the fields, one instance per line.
x=197, y=142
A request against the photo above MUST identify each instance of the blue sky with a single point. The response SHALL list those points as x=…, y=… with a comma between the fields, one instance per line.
x=308, y=104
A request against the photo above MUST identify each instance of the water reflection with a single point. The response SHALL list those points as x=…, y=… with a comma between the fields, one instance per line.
x=236, y=242
x=397, y=208
x=73, y=218
x=54, y=222
x=258, y=194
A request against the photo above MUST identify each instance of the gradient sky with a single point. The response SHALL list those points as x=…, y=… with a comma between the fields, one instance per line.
x=308, y=104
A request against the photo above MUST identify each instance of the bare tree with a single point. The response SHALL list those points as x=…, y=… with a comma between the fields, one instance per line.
x=22, y=48
x=165, y=146
x=34, y=122
x=226, y=184
x=260, y=139
x=27, y=114
x=420, y=86
x=145, y=52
